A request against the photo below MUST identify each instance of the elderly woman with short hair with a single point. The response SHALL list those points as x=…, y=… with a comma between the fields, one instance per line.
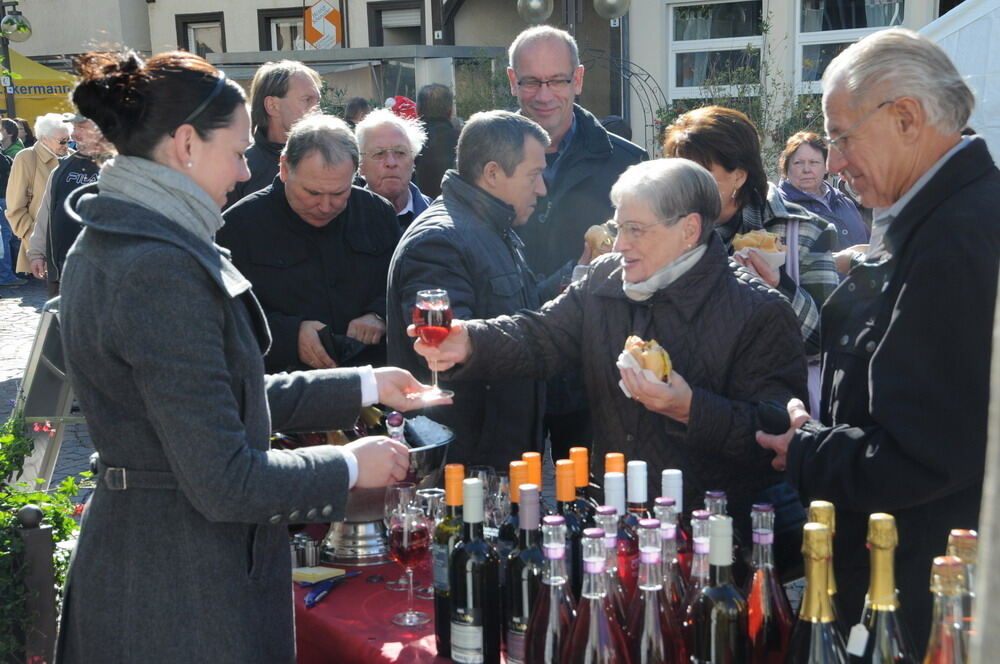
x=733, y=341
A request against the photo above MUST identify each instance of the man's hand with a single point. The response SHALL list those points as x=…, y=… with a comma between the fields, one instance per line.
x=455, y=349
x=756, y=264
x=38, y=268
x=672, y=399
x=843, y=258
x=311, y=349
x=393, y=386
x=366, y=329
x=586, y=256
x=381, y=461
x=779, y=443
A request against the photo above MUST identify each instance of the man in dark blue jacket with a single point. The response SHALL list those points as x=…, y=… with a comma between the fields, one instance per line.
x=465, y=243
x=583, y=161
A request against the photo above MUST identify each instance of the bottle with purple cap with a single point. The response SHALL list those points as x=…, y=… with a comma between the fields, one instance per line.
x=553, y=612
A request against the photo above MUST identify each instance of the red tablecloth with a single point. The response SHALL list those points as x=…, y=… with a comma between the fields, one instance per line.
x=353, y=624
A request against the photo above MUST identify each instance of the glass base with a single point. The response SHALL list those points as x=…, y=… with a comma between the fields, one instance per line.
x=430, y=394
x=399, y=584
x=425, y=592
x=411, y=618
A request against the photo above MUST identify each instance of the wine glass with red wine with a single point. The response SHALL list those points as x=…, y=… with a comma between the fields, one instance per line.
x=399, y=494
x=432, y=319
x=409, y=543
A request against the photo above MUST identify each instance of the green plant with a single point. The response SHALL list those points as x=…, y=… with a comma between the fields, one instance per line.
x=481, y=85
x=59, y=511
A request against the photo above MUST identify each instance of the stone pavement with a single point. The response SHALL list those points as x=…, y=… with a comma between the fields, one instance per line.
x=20, y=310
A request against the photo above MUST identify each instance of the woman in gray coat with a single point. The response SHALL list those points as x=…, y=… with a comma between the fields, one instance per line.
x=183, y=553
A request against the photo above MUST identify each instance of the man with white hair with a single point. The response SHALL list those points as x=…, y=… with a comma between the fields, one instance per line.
x=388, y=145
x=317, y=251
x=907, y=335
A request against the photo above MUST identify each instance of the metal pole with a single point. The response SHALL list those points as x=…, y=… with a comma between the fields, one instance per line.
x=5, y=48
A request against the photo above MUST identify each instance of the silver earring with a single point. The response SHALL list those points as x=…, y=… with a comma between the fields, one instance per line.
x=190, y=165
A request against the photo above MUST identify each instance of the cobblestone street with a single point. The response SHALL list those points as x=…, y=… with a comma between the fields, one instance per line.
x=20, y=309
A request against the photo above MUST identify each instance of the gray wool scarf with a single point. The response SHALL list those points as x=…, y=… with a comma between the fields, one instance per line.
x=164, y=190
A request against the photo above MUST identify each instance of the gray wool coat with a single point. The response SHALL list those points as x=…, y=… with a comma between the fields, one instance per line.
x=164, y=343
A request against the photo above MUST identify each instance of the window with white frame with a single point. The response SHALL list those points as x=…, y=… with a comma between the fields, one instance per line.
x=708, y=41
x=827, y=27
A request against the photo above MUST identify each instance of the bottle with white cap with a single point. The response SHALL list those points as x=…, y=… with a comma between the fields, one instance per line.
x=628, y=543
x=717, y=617
x=672, y=486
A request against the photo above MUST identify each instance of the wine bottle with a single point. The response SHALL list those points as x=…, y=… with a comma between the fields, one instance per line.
x=947, y=643
x=583, y=505
x=822, y=511
x=653, y=631
x=525, y=564
x=964, y=545
x=607, y=520
x=880, y=638
x=716, y=502
x=769, y=615
x=553, y=613
x=717, y=617
x=446, y=535
x=596, y=638
x=699, y=561
x=816, y=639
x=534, y=461
x=672, y=486
x=475, y=586
x=507, y=534
x=674, y=586
x=614, y=462
x=628, y=545
x=565, y=495
x=636, y=509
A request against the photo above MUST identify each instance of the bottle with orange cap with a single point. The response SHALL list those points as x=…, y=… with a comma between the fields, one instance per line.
x=446, y=533
x=507, y=534
x=580, y=457
x=565, y=495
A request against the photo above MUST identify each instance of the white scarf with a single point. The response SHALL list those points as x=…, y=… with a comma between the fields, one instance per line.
x=643, y=290
x=162, y=189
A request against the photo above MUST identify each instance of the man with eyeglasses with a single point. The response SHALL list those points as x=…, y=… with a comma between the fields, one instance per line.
x=906, y=337
x=317, y=250
x=388, y=145
x=583, y=161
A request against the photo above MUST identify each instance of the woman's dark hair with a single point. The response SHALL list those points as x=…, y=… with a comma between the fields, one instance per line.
x=11, y=128
x=354, y=107
x=795, y=142
x=28, y=139
x=137, y=103
x=716, y=135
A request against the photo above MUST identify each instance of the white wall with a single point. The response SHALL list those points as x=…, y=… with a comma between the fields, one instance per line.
x=59, y=26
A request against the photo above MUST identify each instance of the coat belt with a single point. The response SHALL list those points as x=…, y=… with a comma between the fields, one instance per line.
x=117, y=478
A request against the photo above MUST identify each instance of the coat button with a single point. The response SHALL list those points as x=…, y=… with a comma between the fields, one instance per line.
x=276, y=519
x=328, y=511
x=312, y=514
x=870, y=346
x=487, y=388
x=851, y=286
x=629, y=438
x=293, y=516
x=872, y=284
x=844, y=340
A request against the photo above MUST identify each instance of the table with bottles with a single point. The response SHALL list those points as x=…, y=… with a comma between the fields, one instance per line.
x=630, y=582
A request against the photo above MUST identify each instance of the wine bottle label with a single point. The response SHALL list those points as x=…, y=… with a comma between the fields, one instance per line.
x=467, y=637
x=490, y=533
x=857, y=641
x=515, y=642
x=439, y=553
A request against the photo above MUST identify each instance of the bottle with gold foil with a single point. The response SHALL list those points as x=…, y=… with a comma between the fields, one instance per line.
x=580, y=457
x=822, y=511
x=565, y=495
x=816, y=638
x=947, y=643
x=446, y=534
x=964, y=545
x=880, y=637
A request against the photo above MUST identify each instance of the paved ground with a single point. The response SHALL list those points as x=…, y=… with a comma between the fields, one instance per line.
x=20, y=309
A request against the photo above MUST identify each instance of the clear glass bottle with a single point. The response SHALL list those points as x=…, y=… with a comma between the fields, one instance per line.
x=699, y=560
x=628, y=545
x=672, y=486
x=768, y=611
x=607, y=520
x=554, y=610
x=964, y=545
x=653, y=631
x=816, y=639
x=947, y=643
x=674, y=586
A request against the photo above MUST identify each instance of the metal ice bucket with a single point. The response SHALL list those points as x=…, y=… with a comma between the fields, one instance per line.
x=360, y=539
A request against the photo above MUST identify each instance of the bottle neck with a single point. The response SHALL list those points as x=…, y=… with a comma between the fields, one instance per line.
x=638, y=509
x=699, y=561
x=527, y=539
x=720, y=575
x=453, y=512
x=595, y=579
x=555, y=566
x=946, y=625
x=650, y=570
x=668, y=544
x=882, y=586
x=473, y=531
x=817, y=606
x=611, y=552
x=763, y=551
x=514, y=508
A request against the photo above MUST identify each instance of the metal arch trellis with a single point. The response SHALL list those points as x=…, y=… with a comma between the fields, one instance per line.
x=647, y=90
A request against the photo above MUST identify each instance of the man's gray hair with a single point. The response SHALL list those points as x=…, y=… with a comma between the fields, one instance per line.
x=271, y=80
x=495, y=136
x=413, y=130
x=672, y=188
x=49, y=124
x=325, y=134
x=901, y=63
x=543, y=32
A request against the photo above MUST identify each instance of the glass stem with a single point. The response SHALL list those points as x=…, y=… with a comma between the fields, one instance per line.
x=434, y=374
x=409, y=591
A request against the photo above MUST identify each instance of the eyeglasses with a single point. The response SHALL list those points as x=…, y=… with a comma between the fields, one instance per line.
x=840, y=143
x=382, y=155
x=634, y=231
x=534, y=85
x=65, y=141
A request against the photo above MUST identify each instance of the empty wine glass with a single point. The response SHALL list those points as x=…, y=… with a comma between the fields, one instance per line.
x=398, y=495
x=432, y=320
x=409, y=544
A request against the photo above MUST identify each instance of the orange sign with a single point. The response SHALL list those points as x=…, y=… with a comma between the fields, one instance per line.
x=323, y=26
